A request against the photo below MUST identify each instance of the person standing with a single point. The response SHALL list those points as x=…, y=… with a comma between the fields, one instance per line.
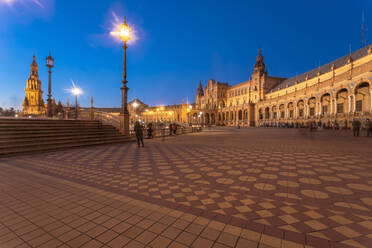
x=139, y=133
x=149, y=131
x=369, y=127
x=356, y=127
x=170, y=129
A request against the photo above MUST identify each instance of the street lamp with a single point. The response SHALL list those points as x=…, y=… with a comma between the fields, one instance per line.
x=50, y=64
x=124, y=35
x=76, y=91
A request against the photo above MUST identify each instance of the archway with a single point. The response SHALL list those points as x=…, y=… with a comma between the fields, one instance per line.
x=282, y=111
x=291, y=110
x=213, y=119
x=342, y=101
x=326, y=104
x=206, y=118
x=274, y=112
x=240, y=115
x=301, y=108
x=362, y=97
x=245, y=115
x=312, y=106
x=219, y=116
x=267, y=113
x=231, y=116
x=260, y=114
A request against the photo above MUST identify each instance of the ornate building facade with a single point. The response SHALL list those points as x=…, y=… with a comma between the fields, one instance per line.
x=335, y=92
x=33, y=103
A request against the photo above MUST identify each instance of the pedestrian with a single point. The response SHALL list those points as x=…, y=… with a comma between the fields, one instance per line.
x=174, y=127
x=139, y=133
x=356, y=127
x=149, y=131
x=369, y=127
x=170, y=129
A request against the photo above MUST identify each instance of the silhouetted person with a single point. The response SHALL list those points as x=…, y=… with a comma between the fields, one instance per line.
x=149, y=131
x=356, y=127
x=170, y=129
x=139, y=133
x=369, y=127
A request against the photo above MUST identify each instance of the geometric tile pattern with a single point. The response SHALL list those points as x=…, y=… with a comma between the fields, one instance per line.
x=312, y=190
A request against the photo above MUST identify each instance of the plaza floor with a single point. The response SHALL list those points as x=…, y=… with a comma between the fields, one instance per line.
x=224, y=187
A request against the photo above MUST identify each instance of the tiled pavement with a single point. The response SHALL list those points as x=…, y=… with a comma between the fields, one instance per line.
x=227, y=188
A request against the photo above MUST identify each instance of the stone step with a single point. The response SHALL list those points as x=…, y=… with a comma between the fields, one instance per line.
x=36, y=149
x=6, y=146
x=44, y=131
x=16, y=135
x=36, y=139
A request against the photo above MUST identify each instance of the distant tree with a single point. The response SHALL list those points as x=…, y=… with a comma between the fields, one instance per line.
x=9, y=112
x=1, y=111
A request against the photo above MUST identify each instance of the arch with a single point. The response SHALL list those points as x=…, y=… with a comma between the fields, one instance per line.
x=222, y=104
x=274, y=110
x=342, y=101
x=362, y=97
x=206, y=118
x=260, y=114
x=240, y=115
x=223, y=116
x=290, y=110
x=194, y=116
x=282, y=111
x=219, y=117
x=301, y=108
x=227, y=116
x=312, y=106
x=267, y=113
x=213, y=118
x=231, y=115
x=325, y=101
x=245, y=115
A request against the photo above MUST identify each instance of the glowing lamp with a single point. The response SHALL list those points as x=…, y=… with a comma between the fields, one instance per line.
x=124, y=33
x=76, y=91
x=135, y=104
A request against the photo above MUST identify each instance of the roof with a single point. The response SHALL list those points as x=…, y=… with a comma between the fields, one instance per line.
x=323, y=69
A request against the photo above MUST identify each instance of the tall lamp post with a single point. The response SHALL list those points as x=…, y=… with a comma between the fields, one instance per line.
x=124, y=115
x=76, y=91
x=50, y=64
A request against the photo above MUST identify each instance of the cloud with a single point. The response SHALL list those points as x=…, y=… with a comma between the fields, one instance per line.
x=11, y=3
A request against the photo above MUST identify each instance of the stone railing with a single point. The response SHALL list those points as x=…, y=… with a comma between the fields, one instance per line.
x=104, y=117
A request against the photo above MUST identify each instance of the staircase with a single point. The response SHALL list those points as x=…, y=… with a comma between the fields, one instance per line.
x=19, y=136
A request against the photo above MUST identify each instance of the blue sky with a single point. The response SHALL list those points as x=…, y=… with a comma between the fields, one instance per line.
x=178, y=43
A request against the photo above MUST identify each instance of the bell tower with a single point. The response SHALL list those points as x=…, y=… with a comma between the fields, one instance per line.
x=33, y=103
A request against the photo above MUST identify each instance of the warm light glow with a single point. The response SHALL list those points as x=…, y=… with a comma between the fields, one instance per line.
x=135, y=104
x=162, y=108
x=124, y=32
x=75, y=90
x=190, y=107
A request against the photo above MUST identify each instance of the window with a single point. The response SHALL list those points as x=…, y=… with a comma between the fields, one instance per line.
x=282, y=114
x=274, y=115
x=301, y=112
x=340, y=108
x=359, y=106
x=290, y=113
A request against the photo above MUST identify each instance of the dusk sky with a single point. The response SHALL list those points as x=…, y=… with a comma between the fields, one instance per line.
x=177, y=43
